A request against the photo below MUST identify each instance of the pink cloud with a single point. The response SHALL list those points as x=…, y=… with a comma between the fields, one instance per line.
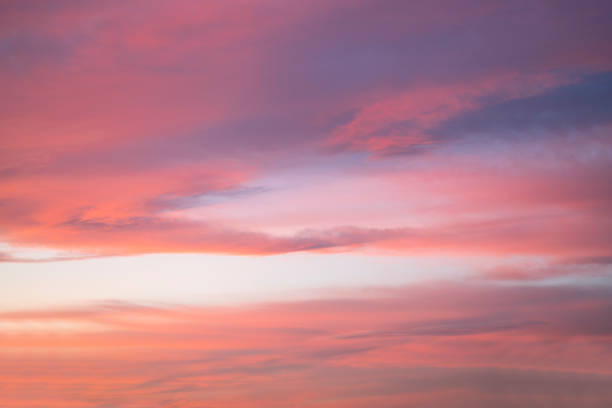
x=129, y=128
x=447, y=343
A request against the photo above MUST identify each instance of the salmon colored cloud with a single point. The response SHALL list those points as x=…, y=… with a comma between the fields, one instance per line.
x=246, y=128
x=449, y=344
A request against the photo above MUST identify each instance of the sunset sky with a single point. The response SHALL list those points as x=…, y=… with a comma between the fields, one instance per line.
x=291, y=204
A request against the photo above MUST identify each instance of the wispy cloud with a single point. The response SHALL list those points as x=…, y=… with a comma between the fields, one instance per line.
x=447, y=344
x=133, y=129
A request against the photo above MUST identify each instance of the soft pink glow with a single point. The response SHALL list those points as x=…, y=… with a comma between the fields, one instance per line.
x=474, y=134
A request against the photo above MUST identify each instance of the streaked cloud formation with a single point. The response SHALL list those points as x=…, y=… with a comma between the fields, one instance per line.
x=446, y=345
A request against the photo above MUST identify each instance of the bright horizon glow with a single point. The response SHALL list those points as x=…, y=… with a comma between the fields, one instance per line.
x=215, y=279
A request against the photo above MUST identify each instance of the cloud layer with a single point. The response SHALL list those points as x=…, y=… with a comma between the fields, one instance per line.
x=447, y=344
x=263, y=128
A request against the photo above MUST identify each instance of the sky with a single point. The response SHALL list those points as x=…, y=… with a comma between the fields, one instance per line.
x=347, y=203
